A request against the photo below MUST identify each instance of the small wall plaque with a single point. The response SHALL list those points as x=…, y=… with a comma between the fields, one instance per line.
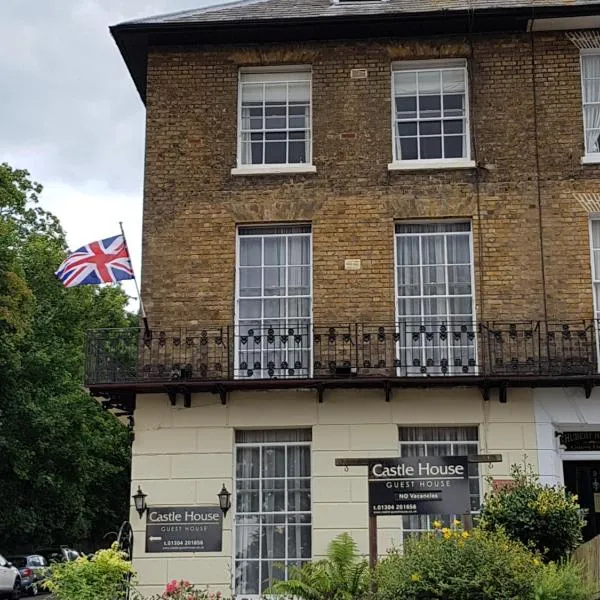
x=358, y=74
x=352, y=264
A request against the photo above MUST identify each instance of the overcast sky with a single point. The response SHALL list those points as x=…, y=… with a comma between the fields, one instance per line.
x=70, y=114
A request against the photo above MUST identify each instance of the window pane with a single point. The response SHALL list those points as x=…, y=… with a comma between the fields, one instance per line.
x=429, y=82
x=434, y=281
x=408, y=250
x=453, y=146
x=299, y=250
x=431, y=147
x=273, y=495
x=459, y=251
x=274, y=281
x=298, y=461
x=430, y=107
x=454, y=105
x=409, y=281
x=407, y=129
x=408, y=149
x=299, y=544
x=250, y=309
x=247, y=496
x=405, y=84
x=273, y=461
x=250, y=251
x=453, y=80
x=299, y=92
x=297, y=152
x=250, y=281
x=298, y=280
x=406, y=107
x=275, y=250
x=252, y=93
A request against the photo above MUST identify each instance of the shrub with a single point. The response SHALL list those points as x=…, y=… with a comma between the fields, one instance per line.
x=184, y=590
x=544, y=518
x=343, y=575
x=562, y=582
x=105, y=576
x=457, y=565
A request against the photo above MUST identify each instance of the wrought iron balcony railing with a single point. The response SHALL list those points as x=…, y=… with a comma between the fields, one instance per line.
x=316, y=351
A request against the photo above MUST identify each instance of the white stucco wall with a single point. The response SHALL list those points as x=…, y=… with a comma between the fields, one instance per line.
x=182, y=456
x=562, y=409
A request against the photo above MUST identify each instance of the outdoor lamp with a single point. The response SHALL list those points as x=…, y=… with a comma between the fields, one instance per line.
x=224, y=500
x=140, y=502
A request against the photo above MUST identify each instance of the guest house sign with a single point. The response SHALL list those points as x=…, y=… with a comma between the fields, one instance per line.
x=419, y=486
x=184, y=529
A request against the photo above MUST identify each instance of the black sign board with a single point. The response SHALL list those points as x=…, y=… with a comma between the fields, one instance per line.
x=184, y=529
x=419, y=486
x=580, y=440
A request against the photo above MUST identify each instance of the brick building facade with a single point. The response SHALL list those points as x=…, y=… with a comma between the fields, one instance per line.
x=419, y=290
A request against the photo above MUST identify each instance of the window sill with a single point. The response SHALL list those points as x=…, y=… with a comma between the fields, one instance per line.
x=591, y=159
x=410, y=165
x=273, y=170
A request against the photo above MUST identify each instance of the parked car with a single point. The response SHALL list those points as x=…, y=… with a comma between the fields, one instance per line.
x=10, y=580
x=58, y=554
x=33, y=569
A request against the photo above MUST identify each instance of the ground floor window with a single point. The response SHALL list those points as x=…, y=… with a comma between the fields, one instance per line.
x=273, y=506
x=440, y=441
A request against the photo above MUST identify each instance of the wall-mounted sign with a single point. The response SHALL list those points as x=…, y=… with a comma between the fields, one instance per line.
x=184, y=529
x=580, y=440
x=352, y=264
x=419, y=486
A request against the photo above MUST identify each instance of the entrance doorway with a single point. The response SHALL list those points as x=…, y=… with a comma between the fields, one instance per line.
x=583, y=478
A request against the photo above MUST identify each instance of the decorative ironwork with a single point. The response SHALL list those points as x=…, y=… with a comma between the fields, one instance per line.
x=305, y=351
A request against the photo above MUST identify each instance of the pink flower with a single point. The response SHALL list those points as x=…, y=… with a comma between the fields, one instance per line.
x=171, y=587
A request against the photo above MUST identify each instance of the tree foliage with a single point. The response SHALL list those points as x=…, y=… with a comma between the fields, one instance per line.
x=64, y=462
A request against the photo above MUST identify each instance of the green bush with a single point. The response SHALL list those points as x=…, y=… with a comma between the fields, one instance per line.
x=562, y=582
x=458, y=565
x=105, y=576
x=544, y=518
x=343, y=575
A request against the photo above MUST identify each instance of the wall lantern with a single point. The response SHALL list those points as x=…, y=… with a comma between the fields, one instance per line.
x=139, y=499
x=224, y=500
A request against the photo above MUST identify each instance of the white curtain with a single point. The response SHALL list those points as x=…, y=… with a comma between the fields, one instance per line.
x=591, y=99
x=266, y=526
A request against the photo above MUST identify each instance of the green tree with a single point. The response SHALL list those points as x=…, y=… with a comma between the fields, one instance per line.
x=64, y=463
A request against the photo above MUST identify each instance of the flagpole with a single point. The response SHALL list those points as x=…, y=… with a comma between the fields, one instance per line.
x=142, y=309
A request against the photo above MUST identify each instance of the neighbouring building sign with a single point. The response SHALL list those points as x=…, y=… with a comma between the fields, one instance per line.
x=580, y=440
x=184, y=529
x=419, y=486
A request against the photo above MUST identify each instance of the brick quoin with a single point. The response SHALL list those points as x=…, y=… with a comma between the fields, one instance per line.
x=193, y=204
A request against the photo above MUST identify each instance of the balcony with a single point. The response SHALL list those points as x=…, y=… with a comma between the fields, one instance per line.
x=402, y=354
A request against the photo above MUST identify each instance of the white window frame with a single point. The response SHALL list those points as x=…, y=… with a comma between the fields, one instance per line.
x=595, y=283
x=275, y=168
x=284, y=298
x=588, y=157
x=261, y=445
x=479, y=476
x=464, y=162
x=421, y=297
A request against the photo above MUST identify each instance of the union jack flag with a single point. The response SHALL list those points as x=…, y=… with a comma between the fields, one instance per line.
x=105, y=261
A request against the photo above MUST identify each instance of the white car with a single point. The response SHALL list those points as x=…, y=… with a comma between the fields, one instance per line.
x=10, y=580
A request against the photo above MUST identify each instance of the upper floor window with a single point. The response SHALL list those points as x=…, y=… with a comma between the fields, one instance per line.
x=590, y=88
x=435, y=300
x=431, y=113
x=273, y=308
x=274, y=121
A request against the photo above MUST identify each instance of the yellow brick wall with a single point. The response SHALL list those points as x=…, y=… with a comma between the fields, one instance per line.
x=193, y=203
